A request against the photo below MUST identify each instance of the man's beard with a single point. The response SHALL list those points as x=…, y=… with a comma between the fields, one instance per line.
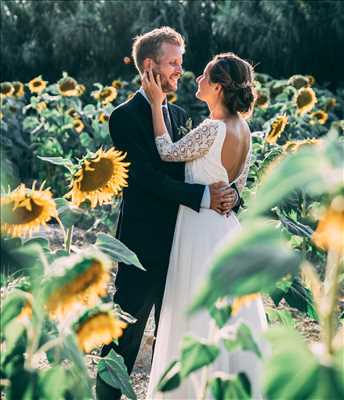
x=165, y=86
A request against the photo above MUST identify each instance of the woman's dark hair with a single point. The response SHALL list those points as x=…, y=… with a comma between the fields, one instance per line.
x=235, y=75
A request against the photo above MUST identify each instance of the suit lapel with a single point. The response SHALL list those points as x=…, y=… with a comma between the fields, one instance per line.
x=145, y=115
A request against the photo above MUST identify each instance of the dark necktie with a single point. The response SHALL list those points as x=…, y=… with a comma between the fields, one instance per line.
x=167, y=121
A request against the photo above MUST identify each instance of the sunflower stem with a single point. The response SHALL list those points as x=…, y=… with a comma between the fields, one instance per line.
x=49, y=345
x=331, y=286
x=205, y=370
x=68, y=240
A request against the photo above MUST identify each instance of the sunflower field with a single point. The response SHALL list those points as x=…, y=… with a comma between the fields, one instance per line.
x=58, y=167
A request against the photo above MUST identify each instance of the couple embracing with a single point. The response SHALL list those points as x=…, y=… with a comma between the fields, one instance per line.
x=180, y=203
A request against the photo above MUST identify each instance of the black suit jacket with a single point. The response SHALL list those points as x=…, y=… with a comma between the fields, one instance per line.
x=155, y=188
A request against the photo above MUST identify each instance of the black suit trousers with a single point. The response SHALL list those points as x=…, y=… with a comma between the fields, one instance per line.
x=137, y=292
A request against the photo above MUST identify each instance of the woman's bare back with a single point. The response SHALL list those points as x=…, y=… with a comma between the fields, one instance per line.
x=235, y=146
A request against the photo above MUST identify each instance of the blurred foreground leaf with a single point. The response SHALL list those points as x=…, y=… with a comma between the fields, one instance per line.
x=253, y=262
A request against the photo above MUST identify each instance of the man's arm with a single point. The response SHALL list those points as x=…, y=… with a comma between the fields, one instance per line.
x=124, y=136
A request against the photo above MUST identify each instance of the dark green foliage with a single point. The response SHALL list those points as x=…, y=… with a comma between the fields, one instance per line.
x=284, y=37
x=90, y=38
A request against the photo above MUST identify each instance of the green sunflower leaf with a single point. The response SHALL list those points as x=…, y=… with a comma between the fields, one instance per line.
x=58, y=161
x=113, y=371
x=117, y=250
x=226, y=387
x=171, y=378
x=196, y=354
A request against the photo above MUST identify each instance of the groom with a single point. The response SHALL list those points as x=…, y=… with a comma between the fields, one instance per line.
x=155, y=191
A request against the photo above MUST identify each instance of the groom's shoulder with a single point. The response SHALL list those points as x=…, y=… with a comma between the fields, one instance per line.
x=129, y=107
x=125, y=107
x=177, y=109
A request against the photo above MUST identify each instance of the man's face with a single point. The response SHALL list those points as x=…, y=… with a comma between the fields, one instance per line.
x=169, y=66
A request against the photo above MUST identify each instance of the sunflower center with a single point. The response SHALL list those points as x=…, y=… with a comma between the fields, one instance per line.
x=20, y=215
x=68, y=84
x=6, y=88
x=104, y=94
x=37, y=84
x=304, y=99
x=93, y=180
x=262, y=99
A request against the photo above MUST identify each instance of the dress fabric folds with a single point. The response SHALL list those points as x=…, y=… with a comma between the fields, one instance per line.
x=196, y=237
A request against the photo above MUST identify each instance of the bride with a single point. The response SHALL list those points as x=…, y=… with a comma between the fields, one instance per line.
x=219, y=149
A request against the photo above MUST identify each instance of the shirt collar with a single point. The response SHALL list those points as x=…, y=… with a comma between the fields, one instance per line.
x=141, y=90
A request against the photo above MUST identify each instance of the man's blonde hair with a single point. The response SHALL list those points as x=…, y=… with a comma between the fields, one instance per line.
x=149, y=44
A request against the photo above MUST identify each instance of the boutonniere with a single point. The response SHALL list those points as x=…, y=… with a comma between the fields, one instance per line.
x=183, y=130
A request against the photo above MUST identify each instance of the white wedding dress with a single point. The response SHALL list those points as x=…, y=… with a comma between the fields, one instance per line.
x=195, y=238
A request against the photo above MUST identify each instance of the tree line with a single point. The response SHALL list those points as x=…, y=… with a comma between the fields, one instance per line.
x=90, y=39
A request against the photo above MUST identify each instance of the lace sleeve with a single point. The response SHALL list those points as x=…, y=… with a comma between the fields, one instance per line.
x=195, y=144
x=241, y=180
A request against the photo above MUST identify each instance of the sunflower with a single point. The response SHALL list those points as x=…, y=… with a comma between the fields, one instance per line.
x=127, y=60
x=329, y=233
x=71, y=112
x=97, y=327
x=171, y=97
x=243, y=301
x=262, y=100
x=81, y=89
x=130, y=95
x=277, y=127
x=79, y=279
x=106, y=95
x=37, y=85
x=6, y=89
x=298, y=81
x=68, y=87
x=294, y=145
x=99, y=178
x=117, y=84
x=319, y=117
x=18, y=89
x=41, y=106
x=102, y=117
x=25, y=210
x=1, y=115
x=305, y=100
x=78, y=125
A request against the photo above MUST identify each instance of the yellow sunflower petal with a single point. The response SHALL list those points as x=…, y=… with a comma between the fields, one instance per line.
x=100, y=178
x=330, y=230
x=305, y=100
x=24, y=210
x=37, y=85
x=277, y=128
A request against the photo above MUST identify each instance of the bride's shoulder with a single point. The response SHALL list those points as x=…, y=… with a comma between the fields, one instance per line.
x=212, y=122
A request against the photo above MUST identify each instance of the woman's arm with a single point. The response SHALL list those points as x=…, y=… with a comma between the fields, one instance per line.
x=194, y=145
x=153, y=90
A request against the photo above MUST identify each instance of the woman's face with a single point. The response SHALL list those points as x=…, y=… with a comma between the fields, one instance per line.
x=206, y=89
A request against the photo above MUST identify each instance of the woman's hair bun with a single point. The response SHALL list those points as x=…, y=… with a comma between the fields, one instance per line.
x=236, y=76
